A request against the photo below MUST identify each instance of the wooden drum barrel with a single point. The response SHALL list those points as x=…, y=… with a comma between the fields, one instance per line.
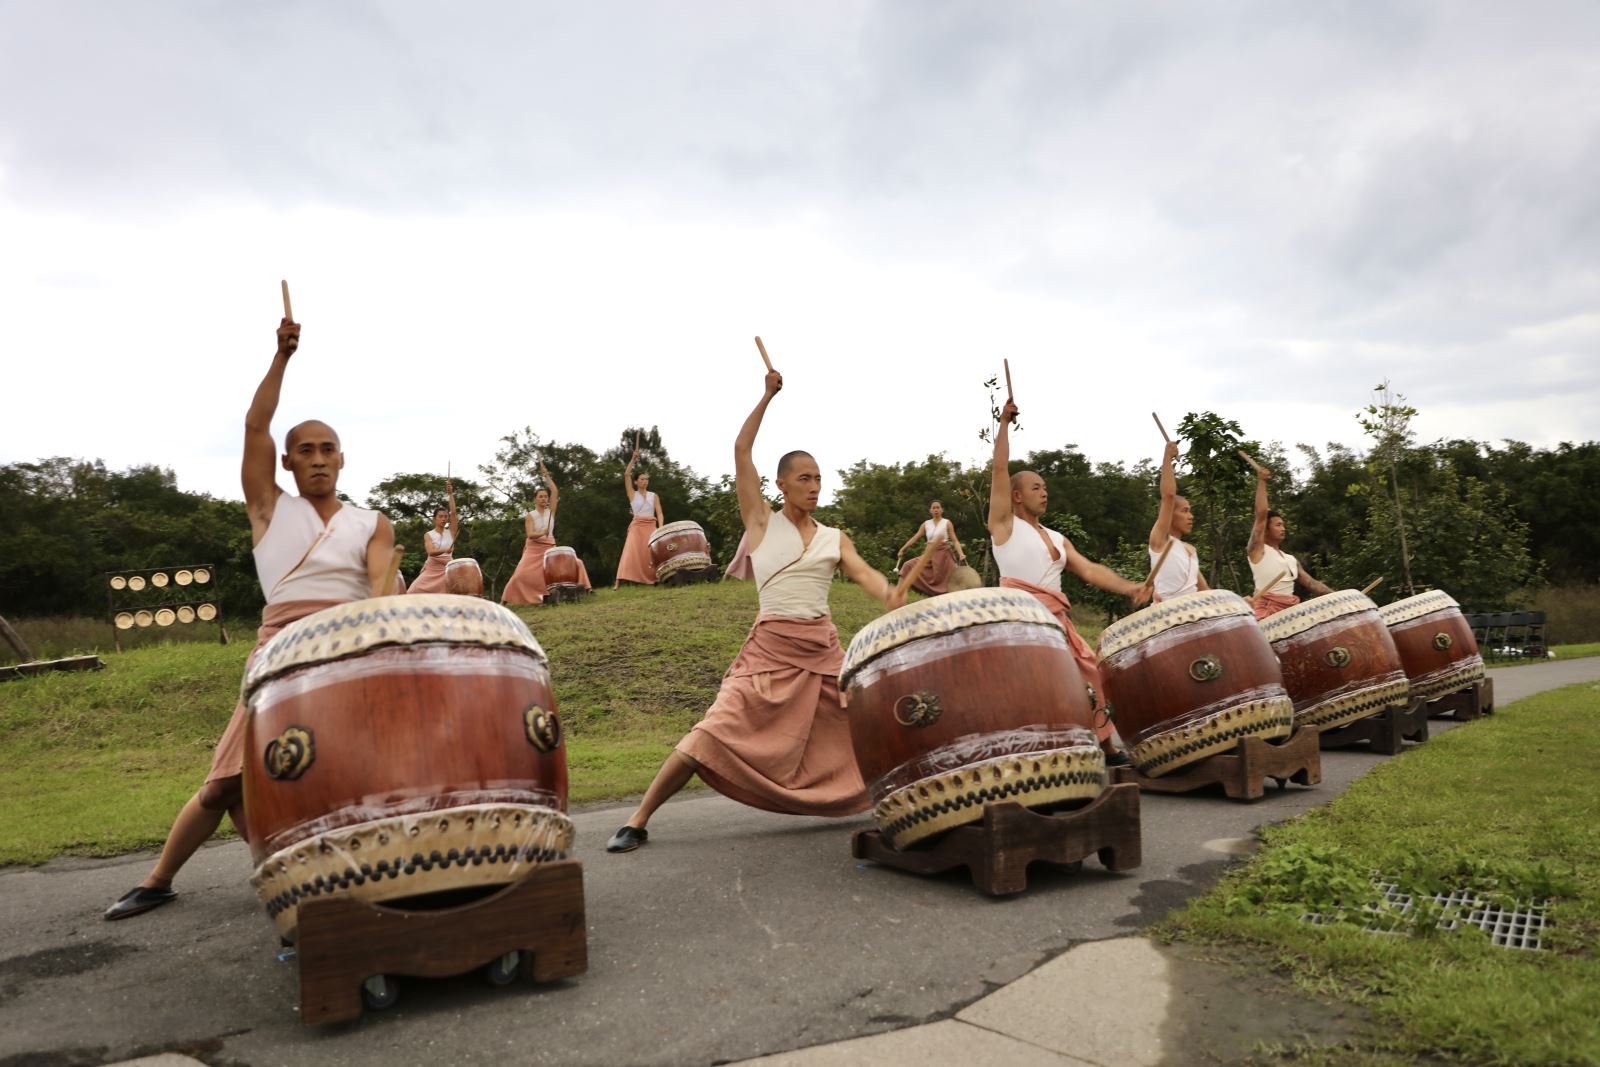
x=1339, y=663
x=561, y=567
x=963, y=701
x=401, y=747
x=679, y=546
x=1189, y=678
x=462, y=577
x=1435, y=644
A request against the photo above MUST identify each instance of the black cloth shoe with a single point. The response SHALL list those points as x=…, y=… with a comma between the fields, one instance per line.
x=627, y=839
x=1118, y=758
x=139, y=899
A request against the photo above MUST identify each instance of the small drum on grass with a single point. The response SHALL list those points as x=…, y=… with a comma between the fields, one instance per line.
x=462, y=577
x=1191, y=677
x=679, y=546
x=1435, y=644
x=561, y=570
x=1339, y=663
x=963, y=701
x=400, y=748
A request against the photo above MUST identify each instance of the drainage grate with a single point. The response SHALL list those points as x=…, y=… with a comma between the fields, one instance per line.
x=1507, y=927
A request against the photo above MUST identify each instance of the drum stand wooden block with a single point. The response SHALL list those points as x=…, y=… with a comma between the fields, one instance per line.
x=1387, y=732
x=562, y=594
x=1464, y=705
x=688, y=577
x=997, y=850
x=1242, y=773
x=344, y=941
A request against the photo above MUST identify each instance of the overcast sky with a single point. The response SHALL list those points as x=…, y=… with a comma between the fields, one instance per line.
x=575, y=216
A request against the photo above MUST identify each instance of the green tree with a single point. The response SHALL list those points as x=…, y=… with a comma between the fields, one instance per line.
x=1387, y=420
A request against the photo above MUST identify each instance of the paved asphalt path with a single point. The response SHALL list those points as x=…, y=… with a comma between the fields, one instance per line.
x=734, y=933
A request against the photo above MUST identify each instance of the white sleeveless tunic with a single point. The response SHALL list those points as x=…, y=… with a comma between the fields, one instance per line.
x=1180, y=573
x=936, y=532
x=1275, y=561
x=794, y=578
x=644, y=505
x=544, y=523
x=1025, y=557
x=301, y=558
x=442, y=539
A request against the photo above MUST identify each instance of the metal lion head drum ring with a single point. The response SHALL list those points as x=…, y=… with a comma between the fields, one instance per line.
x=679, y=546
x=1189, y=678
x=1435, y=643
x=1339, y=663
x=462, y=577
x=561, y=567
x=401, y=747
x=966, y=700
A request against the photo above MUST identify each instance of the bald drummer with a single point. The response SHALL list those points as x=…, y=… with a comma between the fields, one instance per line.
x=777, y=737
x=1275, y=572
x=1181, y=572
x=312, y=552
x=1032, y=558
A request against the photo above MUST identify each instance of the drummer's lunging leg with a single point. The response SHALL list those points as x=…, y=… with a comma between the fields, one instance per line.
x=674, y=774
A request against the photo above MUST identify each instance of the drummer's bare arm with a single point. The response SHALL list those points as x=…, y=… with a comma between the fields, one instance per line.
x=950, y=528
x=1102, y=577
x=660, y=519
x=1162, y=530
x=1200, y=582
x=627, y=478
x=1258, y=531
x=1315, y=587
x=907, y=546
x=527, y=523
x=746, y=479
x=380, y=553
x=259, y=471
x=1000, y=516
x=550, y=484
x=856, y=569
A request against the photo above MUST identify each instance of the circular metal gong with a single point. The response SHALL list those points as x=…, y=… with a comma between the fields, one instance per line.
x=206, y=612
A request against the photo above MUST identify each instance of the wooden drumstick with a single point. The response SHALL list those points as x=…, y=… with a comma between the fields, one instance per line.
x=1010, y=394
x=1160, y=427
x=1248, y=459
x=394, y=570
x=1151, y=581
x=1281, y=575
x=1372, y=585
x=915, y=572
x=288, y=312
x=764, y=358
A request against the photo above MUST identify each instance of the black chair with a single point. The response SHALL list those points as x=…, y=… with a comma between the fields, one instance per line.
x=1495, y=634
x=1517, y=632
x=1479, y=624
x=1535, y=645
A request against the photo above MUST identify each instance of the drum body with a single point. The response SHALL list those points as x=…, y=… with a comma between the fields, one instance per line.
x=462, y=577
x=679, y=546
x=560, y=567
x=963, y=701
x=1191, y=677
x=401, y=747
x=1339, y=663
x=1436, y=645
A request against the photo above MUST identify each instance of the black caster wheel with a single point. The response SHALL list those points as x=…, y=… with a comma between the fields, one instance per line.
x=380, y=992
x=504, y=971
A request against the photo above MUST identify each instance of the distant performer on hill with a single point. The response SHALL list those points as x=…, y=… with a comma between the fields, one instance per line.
x=1181, y=572
x=1031, y=557
x=777, y=737
x=1274, y=571
x=311, y=552
x=527, y=584
x=635, y=564
x=439, y=543
x=935, y=576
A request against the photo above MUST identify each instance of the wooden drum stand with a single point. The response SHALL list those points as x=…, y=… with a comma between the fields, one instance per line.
x=1242, y=773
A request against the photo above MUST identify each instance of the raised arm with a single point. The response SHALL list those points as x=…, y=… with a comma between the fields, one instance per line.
x=1000, y=478
x=550, y=484
x=1258, y=531
x=1102, y=577
x=746, y=479
x=1162, y=530
x=455, y=526
x=661, y=520
x=627, y=477
x=859, y=571
x=258, y=473
x=380, y=552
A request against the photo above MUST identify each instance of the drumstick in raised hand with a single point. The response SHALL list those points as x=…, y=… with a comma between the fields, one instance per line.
x=394, y=571
x=1250, y=460
x=1010, y=394
x=1160, y=427
x=288, y=313
x=763, y=349
x=1372, y=585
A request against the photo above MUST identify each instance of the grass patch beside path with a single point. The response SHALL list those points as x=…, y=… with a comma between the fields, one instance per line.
x=99, y=763
x=1507, y=806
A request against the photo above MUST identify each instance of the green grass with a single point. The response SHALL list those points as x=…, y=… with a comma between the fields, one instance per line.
x=99, y=763
x=1508, y=806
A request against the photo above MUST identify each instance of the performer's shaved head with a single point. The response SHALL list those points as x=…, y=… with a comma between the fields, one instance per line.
x=309, y=427
x=786, y=464
x=1029, y=496
x=313, y=454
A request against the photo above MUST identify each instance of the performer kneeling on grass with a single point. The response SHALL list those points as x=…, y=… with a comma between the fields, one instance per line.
x=1275, y=571
x=1031, y=557
x=439, y=543
x=635, y=564
x=1181, y=572
x=311, y=552
x=935, y=576
x=777, y=737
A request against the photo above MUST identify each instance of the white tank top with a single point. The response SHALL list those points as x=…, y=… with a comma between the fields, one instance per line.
x=1273, y=562
x=442, y=539
x=544, y=523
x=300, y=558
x=1025, y=557
x=935, y=532
x=644, y=505
x=1179, y=574
x=793, y=578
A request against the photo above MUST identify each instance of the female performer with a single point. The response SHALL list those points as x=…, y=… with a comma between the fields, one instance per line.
x=527, y=585
x=438, y=543
x=635, y=564
x=935, y=574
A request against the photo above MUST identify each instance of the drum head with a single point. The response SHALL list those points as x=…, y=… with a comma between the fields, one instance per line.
x=159, y=579
x=682, y=526
x=1302, y=617
x=1414, y=607
x=941, y=615
x=1159, y=618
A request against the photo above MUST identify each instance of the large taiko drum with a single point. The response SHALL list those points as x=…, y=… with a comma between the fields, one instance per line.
x=1435, y=644
x=1339, y=663
x=1189, y=678
x=963, y=701
x=561, y=568
x=401, y=747
x=679, y=546
x=462, y=577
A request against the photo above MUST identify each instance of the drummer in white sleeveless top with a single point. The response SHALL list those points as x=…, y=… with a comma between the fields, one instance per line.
x=1274, y=572
x=935, y=575
x=312, y=551
x=439, y=543
x=1032, y=558
x=635, y=564
x=527, y=584
x=1181, y=572
x=777, y=737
